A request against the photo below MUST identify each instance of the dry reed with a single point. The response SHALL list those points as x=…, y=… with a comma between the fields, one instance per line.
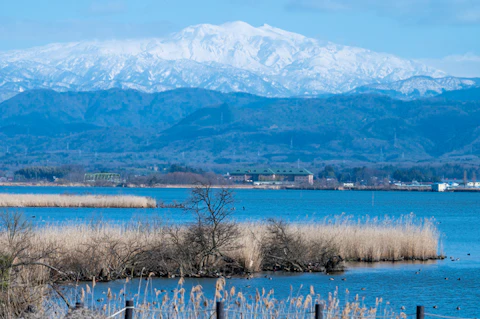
x=179, y=303
x=107, y=250
x=371, y=240
x=55, y=200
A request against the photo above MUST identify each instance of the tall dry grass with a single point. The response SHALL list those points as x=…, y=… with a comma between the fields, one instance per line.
x=109, y=251
x=150, y=302
x=180, y=303
x=376, y=240
x=55, y=200
x=369, y=240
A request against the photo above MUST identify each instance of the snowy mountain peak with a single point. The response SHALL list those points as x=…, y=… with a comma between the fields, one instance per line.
x=234, y=56
x=238, y=30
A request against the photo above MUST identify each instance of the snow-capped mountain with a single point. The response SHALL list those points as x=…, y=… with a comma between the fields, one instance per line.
x=230, y=57
x=419, y=86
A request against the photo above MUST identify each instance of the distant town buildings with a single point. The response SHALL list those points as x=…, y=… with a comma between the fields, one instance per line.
x=271, y=176
x=102, y=177
x=439, y=187
x=442, y=187
x=473, y=184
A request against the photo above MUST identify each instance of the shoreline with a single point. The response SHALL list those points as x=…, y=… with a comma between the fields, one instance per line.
x=245, y=186
x=349, y=265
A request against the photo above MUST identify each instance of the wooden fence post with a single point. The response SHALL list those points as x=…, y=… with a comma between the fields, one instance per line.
x=420, y=312
x=219, y=309
x=129, y=309
x=318, y=311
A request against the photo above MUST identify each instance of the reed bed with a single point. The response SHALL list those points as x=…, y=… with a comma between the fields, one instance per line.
x=34, y=258
x=374, y=239
x=67, y=200
x=112, y=251
x=179, y=303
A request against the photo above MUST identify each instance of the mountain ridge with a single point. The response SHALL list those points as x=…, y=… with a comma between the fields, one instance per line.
x=231, y=57
x=128, y=127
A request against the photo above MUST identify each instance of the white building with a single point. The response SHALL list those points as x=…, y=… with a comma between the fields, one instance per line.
x=439, y=187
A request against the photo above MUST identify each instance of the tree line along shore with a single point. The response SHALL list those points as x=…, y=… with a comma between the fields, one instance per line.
x=325, y=176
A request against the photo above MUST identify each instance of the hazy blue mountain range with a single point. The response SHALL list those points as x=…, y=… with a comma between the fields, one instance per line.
x=233, y=57
x=197, y=126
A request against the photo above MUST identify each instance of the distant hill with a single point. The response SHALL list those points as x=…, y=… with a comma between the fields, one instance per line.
x=472, y=94
x=110, y=108
x=127, y=128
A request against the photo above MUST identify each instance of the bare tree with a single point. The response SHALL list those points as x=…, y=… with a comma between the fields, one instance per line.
x=214, y=233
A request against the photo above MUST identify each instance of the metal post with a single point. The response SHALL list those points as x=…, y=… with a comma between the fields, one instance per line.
x=318, y=311
x=129, y=309
x=420, y=312
x=78, y=305
x=220, y=312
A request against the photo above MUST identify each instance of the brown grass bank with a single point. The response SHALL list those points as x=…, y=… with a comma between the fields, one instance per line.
x=94, y=201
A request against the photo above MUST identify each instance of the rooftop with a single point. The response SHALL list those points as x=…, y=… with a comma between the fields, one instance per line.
x=245, y=171
x=269, y=171
x=292, y=171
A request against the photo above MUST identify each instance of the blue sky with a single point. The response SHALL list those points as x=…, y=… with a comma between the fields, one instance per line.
x=443, y=33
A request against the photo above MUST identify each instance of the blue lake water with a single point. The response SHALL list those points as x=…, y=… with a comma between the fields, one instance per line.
x=457, y=215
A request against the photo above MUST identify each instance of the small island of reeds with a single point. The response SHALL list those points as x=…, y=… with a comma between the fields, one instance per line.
x=70, y=200
x=108, y=252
